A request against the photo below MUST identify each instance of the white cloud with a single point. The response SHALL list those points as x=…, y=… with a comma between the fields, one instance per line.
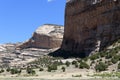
x=50, y=0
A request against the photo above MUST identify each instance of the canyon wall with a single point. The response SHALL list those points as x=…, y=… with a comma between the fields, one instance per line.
x=90, y=25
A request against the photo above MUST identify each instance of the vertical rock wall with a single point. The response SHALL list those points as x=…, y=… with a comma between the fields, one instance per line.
x=91, y=26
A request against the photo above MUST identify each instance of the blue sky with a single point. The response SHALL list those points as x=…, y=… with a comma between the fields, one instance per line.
x=20, y=18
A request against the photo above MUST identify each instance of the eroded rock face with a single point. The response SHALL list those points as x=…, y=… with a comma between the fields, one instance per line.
x=46, y=36
x=91, y=25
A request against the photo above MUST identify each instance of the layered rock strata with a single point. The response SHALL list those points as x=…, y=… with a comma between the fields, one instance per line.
x=46, y=36
x=90, y=25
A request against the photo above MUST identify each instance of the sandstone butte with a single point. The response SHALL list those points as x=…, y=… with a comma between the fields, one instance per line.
x=47, y=36
x=90, y=25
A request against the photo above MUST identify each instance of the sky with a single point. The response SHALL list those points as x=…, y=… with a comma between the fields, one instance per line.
x=20, y=18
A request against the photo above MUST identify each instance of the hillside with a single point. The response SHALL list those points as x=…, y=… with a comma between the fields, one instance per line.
x=105, y=64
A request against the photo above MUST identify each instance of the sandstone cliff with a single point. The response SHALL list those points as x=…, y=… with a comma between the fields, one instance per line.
x=46, y=36
x=90, y=25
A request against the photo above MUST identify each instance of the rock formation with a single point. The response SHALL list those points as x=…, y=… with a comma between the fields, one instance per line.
x=46, y=36
x=90, y=25
x=12, y=57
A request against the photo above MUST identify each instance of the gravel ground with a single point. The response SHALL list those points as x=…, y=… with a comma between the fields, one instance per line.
x=51, y=79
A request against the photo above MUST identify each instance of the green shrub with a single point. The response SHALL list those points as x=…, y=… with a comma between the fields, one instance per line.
x=113, y=60
x=84, y=65
x=102, y=54
x=100, y=60
x=63, y=69
x=101, y=67
x=117, y=57
x=79, y=60
x=109, y=63
x=33, y=72
x=119, y=66
x=108, y=56
x=52, y=67
x=74, y=62
x=2, y=70
x=93, y=62
x=76, y=65
x=41, y=69
x=30, y=71
x=94, y=57
x=8, y=69
x=85, y=59
x=58, y=63
x=67, y=63
x=15, y=71
x=77, y=75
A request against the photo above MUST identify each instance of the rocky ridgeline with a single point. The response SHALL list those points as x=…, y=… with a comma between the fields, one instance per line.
x=46, y=39
x=47, y=36
x=90, y=25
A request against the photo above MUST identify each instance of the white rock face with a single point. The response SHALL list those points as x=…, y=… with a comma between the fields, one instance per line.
x=45, y=29
x=91, y=1
x=50, y=30
x=9, y=55
x=46, y=36
x=69, y=1
x=2, y=48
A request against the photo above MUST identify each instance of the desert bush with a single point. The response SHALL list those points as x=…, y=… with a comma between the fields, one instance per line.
x=95, y=56
x=101, y=67
x=76, y=65
x=8, y=69
x=85, y=59
x=52, y=67
x=93, y=61
x=41, y=69
x=74, y=62
x=77, y=75
x=30, y=71
x=119, y=66
x=102, y=53
x=108, y=56
x=67, y=63
x=2, y=70
x=113, y=60
x=117, y=57
x=109, y=63
x=80, y=60
x=100, y=60
x=15, y=71
x=58, y=63
x=63, y=69
x=84, y=65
